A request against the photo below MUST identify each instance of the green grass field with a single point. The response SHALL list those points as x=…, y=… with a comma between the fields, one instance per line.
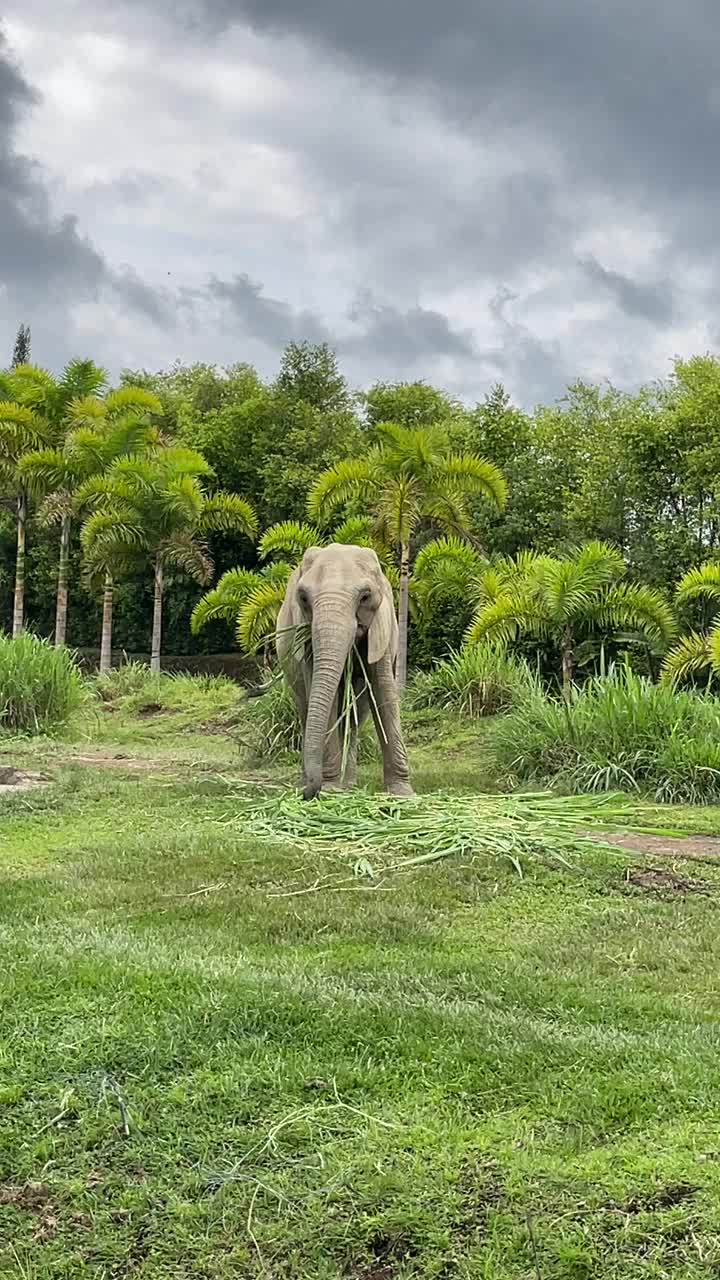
x=205, y=1073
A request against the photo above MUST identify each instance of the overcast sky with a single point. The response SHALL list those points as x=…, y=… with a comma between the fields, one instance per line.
x=466, y=191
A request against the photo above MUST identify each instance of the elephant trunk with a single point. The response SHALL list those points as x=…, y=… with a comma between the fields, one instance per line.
x=333, y=634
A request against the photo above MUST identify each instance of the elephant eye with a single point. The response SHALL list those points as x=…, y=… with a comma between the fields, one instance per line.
x=365, y=595
x=304, y=598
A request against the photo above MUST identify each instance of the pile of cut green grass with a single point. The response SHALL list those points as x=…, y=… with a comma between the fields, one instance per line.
x=406, y=832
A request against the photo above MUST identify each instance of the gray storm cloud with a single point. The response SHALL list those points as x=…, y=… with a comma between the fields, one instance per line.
x=463, y=192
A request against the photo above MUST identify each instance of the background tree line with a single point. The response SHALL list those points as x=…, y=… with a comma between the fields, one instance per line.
x=639, y=470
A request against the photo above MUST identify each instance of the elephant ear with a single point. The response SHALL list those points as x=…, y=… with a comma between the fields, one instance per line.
x=383, y=630
x=289, y=615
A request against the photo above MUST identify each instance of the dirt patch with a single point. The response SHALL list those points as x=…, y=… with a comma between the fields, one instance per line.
x=13, y=780
x=657, y=880
x=384, y=1254
x=149, y=709
x=118, y=761
x=697, y=848
x=665, y=1198
x=32, y=1196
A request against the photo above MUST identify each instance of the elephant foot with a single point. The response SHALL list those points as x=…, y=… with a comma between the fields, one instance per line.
x=399, y=788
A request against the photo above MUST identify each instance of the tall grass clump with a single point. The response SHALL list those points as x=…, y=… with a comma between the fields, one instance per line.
x=477, y=680
x=40, y=686
x=618, y=731
x=269, y=726
x=124, y=681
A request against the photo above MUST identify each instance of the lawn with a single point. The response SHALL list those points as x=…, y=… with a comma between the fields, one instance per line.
x=206, y=1073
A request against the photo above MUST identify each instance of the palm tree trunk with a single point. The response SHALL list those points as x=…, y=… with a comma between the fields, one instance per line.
x=568, y=662
x=19, y=599
x=107, y=621
x=157, y=620
x=403, y=615
x=61, y=609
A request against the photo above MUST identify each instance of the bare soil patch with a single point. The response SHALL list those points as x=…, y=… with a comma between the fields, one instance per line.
x=20, y=779
x=657, y=880
x=697, y=848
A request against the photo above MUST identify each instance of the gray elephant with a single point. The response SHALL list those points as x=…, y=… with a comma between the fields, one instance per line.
x=342, y=592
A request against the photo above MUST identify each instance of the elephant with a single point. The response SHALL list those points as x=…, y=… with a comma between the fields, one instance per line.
x=342, y=593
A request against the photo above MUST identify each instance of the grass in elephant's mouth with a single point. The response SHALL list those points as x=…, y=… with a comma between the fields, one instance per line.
x=455, y=1074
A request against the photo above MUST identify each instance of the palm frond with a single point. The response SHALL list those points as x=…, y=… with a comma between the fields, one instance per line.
x=356, y=531
x=258, y=616
x=127, y=434
x=470, y=474
x=174, y=460
x=442, y=554
x=189, y=554
x=691, y=654
x=702, y=582
x=227, y=512
x=562, y=590
x=630, y=606
x=505, y=618
x=112, y=527
x=290, y=538
x=136, y=400
x=337, y=486
x=179, y=501
x=224, y=600
x=43, y=470
x=79, y=379
x=85, y=411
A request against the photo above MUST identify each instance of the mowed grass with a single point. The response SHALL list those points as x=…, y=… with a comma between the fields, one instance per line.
x=458, y=1074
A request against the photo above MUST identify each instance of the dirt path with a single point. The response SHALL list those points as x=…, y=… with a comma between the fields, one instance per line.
x=693, y=848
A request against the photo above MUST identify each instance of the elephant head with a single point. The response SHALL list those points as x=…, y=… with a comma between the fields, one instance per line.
x=343, y=594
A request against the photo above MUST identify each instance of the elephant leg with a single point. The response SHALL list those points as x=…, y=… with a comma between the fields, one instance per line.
x=386, y=714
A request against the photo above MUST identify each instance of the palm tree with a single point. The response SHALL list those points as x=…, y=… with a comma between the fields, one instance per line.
x=552, y=599
x=409, y=476
x=155, y=508
x=97, y=431
x=696, y=651
x=47, y=398
x=20, y=431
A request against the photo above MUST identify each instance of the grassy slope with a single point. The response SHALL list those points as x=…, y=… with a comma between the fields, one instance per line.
x=464, y=1076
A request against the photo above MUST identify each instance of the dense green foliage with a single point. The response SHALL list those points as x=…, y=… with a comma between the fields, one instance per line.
x=637, y=470
x=40, y=687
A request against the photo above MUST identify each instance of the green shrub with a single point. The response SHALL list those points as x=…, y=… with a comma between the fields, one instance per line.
x=40, y=686
x=477, y=680
x=123, y=681
x=617, y=731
